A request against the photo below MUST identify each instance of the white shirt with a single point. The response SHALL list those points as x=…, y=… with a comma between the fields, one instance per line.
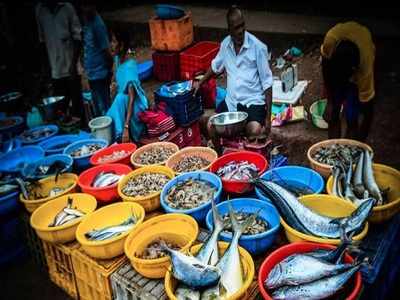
x=249, y=74
x=58, y=31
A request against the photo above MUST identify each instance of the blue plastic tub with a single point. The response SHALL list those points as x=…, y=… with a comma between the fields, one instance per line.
x=57, y=144
x=53, y=128
x=301, y=175
x=8, y=203
x=145, y=70
x=14, y=161
x=167, y=12
x=10, y=144
x=83, y=162
x=258, y=243
x=30, y=169
x=199, y=213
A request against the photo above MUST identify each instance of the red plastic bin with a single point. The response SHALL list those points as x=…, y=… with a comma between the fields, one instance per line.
x=105, y=194
x=301, y=247
x=127, y=147
x=166, y=65
x=197, y=58
x=239, y=186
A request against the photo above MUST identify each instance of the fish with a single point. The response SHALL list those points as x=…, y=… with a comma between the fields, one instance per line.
x=331, y=256
x=258, y=226
x=336, y=175
x=85, y=150
x=66, y=215
x=104, y=179
x=298, y=269
x=8, y=188
x=191, y=163
x=183, y=292
x=116, y=155
x=144, y=184
x=238, y=170
x=154, y=155
x=109, y=232
x=153, y=250
x=333, y=153
x=309, y=222
x=357, y=179
x=369, y=179
x=319, y=289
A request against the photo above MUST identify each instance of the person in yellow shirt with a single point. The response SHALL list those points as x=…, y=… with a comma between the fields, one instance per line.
x=348, y=58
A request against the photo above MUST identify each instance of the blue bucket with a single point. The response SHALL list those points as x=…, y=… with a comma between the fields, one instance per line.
x=57, y=144
x=8, y=203
x=257, y=243
x=14, y=161
x=167, y=12
x=30, y=169
x=83, y=162
x=301, y=175
x=200, y=212
x=145, y=70
x=52, y=128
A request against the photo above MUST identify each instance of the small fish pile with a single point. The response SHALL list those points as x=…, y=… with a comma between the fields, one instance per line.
x=37, y=134
x=113, y=156
x=85, y=150
x=358, y=185
x=104, y=179
x=154, y=155
x=337, y=152
x=145, y=184
x=66, y=215
x=312, y=275
x=258, y=226
x=191, y=163
x=111, y=231
x=154, y=251
x=238, y=170
x=190, y=193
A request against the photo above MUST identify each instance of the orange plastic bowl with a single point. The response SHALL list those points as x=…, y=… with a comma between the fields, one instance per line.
x=129, y=148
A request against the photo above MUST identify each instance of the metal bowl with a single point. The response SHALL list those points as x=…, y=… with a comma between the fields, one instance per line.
x=51, y=105
x=229, y=124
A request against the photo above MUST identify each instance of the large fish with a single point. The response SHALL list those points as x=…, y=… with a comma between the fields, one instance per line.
x=369, y=180
x=302, y=268
x=111, y=231
x=309, y=222
x=319, y=289
x=357, y=179
x=331, y=256
x=66, y=215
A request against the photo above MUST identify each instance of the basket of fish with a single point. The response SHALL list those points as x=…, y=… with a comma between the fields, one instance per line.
x=210, y=274
x=144, y=244
x=310, y=271
x=153, y=154
x=35, y=193
x=367, y=180
x=56, y=221
x=317, y=218
x=38, y=134
x=116, y=153
x=259, y=235
x=102, y=181
x=236, y=169
x=48, y=166
x=144, y=186
x=103, y=233
x=191, y=193
x=56, y=144
x=82, y=150
x=324, y=155
x=191, y=159
x=299, y=180
x=15, y=161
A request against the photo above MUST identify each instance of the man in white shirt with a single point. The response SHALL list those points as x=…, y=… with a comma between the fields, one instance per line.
x=249, y=77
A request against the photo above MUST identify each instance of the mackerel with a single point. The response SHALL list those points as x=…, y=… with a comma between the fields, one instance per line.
x=357, y=180
x=369, y=180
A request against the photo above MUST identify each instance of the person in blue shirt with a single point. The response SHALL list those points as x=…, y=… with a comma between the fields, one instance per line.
x=97, y=59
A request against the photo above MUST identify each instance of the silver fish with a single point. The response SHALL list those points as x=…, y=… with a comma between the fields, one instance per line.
x=8, y=188
x=111, y=231
x=104, y=179
x=67, y=214
x=238, y=170
x=369, y=180
x=183, y=292
x=357, y=179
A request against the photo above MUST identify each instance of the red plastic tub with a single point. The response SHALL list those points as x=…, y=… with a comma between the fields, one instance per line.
x=106, y=194
x=237, y=186
x=166, y=65
x=128, y=147
x=301, y=247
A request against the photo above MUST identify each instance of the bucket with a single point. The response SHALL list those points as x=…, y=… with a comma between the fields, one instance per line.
x=101, y=128
x=317, y=110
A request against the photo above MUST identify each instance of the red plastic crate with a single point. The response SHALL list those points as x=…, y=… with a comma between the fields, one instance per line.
x=191, y=135
x=197, y=58
x=166, y=66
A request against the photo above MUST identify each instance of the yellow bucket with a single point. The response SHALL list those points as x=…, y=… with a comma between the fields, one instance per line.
x=386, y=177
x=44, y=215
x=67, y=181
x=171, y=283
x=151, y=201
x=179, y=229
x=109, y=215
x=326, y=205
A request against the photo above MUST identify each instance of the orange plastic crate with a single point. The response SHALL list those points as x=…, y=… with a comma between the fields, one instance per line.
x=171, y=35
x=93, y=275
x=59, y=262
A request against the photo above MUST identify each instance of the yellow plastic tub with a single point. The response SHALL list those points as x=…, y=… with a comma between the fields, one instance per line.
x=248, y=270
x=326, y=205
x=66, y=181
x=386, y=177
x=151, y=201
x=147, y=147
x=109, y=215
x=44, y=215
x=179, y=229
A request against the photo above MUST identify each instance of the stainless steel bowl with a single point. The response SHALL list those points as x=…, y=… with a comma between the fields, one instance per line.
x=229, y=124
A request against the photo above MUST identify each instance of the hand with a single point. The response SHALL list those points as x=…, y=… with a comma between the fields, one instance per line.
x=195, y=87
x=125, y=135
x=113, y=89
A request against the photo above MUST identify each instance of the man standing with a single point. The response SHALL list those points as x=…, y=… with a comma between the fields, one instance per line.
x=60, y=31
x=249, y=77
